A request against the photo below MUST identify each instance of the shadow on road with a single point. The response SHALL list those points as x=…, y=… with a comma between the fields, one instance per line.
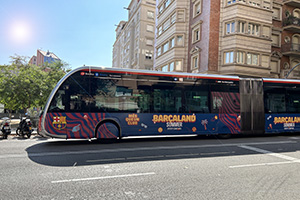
x=71, y=153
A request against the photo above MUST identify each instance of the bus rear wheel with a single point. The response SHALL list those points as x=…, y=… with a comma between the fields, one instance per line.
x=107, y=130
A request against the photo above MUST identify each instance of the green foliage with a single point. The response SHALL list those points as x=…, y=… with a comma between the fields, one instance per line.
x=23, y=85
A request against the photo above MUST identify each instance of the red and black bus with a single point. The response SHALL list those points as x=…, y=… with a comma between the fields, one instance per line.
x=97, y=102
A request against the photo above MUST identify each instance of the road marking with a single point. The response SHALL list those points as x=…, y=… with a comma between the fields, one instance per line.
x=263, y=164
x=269, y=153
x=294, y=138
x=103, y=177
x=290, y=160
x=115, y=150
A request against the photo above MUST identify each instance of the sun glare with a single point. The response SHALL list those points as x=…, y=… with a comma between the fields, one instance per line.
x=20, y=32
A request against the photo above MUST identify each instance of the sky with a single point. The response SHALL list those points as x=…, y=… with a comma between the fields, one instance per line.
x=79, y=32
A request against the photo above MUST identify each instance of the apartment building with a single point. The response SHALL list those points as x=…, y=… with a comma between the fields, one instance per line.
x=43, y=57
x=172, y=29
x=286, y=38
x=134, y=45
x=245, y=39
x=248, y=38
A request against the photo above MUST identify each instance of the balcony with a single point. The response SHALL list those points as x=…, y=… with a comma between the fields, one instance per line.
x=291, y=49
x=294, y=3
x=291, y=24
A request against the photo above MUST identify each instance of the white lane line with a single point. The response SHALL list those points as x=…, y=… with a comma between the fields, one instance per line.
x=290, y=160
x=103, y=177
x=139, y=149
x=269, y=153
x=262, y=164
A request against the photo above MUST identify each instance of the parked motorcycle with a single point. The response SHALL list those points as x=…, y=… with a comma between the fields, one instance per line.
x=24, y=128
x=5, y=127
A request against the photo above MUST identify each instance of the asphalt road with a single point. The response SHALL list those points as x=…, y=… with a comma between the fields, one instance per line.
x=151, y=168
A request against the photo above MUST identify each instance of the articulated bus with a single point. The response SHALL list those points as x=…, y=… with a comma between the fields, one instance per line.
x=96, y=102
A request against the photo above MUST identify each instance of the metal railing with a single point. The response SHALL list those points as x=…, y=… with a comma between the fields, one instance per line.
x=294, y=47
x=291, y=20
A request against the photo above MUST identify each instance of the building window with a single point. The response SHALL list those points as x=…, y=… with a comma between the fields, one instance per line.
x=266, y=4
x=254, y=3
x=171, y=66
x=164, y=68
x=160, y=30
x=158, y=51
x=228, y=57
x=230, y=27
x=241, y=27
x=230, y=2
x=167, y=3
x=165, y=47
x=275, y=40
x=166, y=24
x=253, y=29
x=276, y=13
x=178, y=65
x=195, y=61
x=196, y=34
x=240, y=57
x=163, y=6
x=172, y=42
x=160, y=9
x=197, y=8
x=179, y=40
x=150, y=15
x=150, y=28
x=173, y=18
x=149, y=42
x=252, y=59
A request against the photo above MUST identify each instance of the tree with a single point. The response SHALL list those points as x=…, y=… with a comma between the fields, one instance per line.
x=23, y=85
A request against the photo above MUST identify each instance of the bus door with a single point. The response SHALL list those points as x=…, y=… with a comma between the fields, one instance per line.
x=252, y=106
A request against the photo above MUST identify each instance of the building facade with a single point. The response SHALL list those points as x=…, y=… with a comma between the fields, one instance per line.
x=286, y=38
x=172, y=29
x=248, y=38
x=134, y=45
x=43, y=57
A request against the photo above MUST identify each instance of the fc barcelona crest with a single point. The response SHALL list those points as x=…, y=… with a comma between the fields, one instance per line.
x=59, y=123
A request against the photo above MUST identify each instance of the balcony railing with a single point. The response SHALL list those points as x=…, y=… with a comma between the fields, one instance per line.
x=291, y=49
x=292, y=24
x=291, y=20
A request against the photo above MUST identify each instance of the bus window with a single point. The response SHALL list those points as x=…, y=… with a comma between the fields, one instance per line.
x=167, y=100
x=58, y=102
x=225, y=102
x=143, y=99
x=196, y=101
x=293, y=101
x=275, y=102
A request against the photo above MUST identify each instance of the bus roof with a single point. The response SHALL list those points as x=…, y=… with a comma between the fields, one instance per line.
x=156, y=73
x=285, y=81
x=176, y=74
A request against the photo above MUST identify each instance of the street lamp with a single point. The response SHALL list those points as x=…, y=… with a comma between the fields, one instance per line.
x=291, y=70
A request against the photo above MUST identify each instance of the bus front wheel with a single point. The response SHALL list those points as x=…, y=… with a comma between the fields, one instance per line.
x=107, y=130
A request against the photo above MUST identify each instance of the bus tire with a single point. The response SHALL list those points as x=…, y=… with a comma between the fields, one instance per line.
x=108, y=130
